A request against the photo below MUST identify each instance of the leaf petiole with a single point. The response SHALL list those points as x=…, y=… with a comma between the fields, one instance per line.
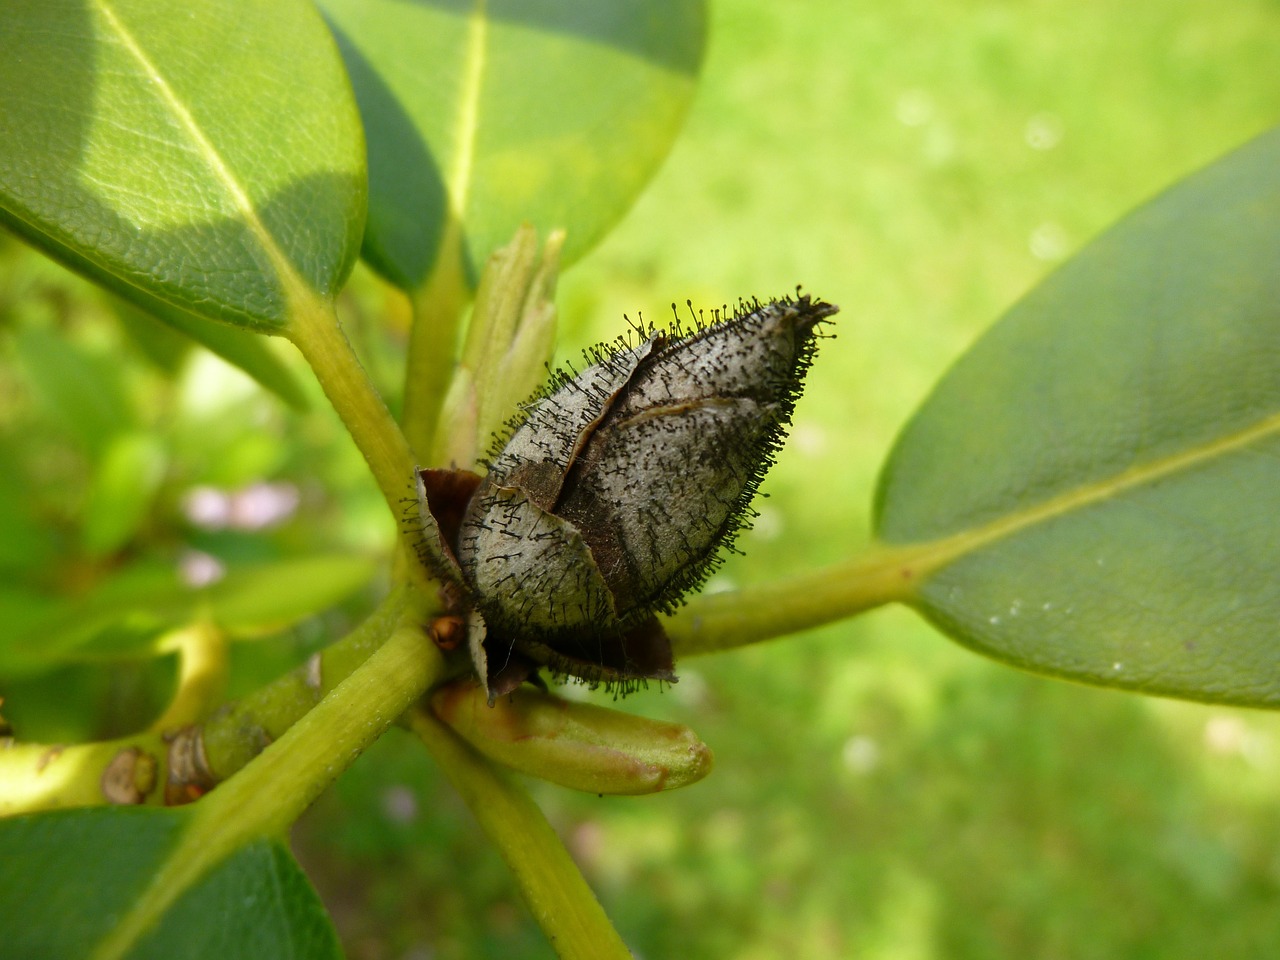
x=561, y=901
x=264, y=798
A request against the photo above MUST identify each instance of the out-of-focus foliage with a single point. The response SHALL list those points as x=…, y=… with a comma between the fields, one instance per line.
x=147, y=482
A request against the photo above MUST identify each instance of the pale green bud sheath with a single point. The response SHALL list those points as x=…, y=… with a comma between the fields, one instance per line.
x=576, y=745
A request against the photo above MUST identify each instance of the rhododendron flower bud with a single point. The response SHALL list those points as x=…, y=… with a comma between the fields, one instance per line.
x=614, y=494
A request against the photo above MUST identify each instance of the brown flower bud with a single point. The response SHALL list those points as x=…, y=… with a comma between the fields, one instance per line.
x=614, y=493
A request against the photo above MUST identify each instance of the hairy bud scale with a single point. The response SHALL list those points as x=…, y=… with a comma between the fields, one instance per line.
x=614, y=493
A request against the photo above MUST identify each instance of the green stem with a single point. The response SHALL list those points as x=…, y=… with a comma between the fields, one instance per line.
x=166, y=769
x=41, y=776
x=433, y=344
x=238, y=732
x=320, y=339
x=558, y=896
x=721, y=621
x=203, y=668
x=312, y=752
x=264, y=798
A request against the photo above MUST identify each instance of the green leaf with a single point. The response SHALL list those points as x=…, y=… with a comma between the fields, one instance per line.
x=242, y=350
x=272, y=596
x=121, y=490
x=123, y=616
x=70, y=876
x=500, y=113
x=205, y=155
x=1097, y=478
x=43, y=629
x=83, y=391
x=26, y=545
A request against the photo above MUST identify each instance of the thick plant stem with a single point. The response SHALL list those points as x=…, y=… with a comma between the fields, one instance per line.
x=322, y=343
x=439, y=301
x=558, y=896
x=264, y=798
x=167, y=765
x=721, y=621
x=433, y=343
x=42, y=776
x=237, y=733
x=312, y=752
x=203, y=666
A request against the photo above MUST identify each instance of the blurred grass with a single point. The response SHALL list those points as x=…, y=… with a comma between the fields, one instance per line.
x=880, y=793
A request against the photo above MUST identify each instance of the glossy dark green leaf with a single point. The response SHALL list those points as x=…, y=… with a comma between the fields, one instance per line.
x=257, y=903
x=1099, y=477
x=206, y=154
x=69, y=877
x=555, y=114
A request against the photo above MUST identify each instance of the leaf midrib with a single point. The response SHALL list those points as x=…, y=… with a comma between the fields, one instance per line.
x=934, y=555
x=467, y=123
x=296, y=289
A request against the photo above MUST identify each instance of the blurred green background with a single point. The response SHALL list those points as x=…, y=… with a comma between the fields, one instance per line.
x=879, y=793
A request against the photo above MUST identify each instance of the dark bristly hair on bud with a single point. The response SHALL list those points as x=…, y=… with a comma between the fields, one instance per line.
x=614, y=493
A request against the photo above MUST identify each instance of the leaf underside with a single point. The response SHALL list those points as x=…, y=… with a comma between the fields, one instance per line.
x=210, y=162
x=482, y=116
x=70, y=876
x=1097, y=478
